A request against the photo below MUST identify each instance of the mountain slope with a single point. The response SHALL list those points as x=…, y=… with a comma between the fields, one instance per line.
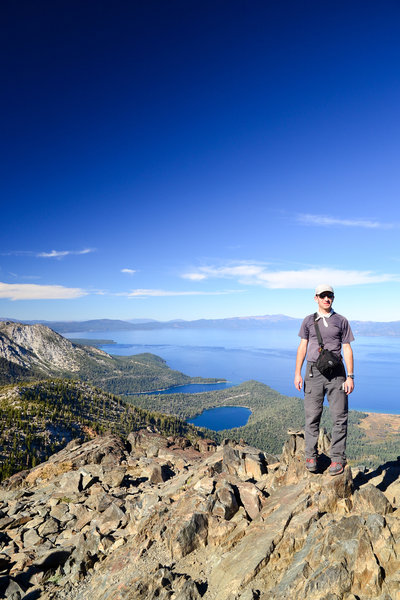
x=38, y=419
x=37, y=346
x=41, y=352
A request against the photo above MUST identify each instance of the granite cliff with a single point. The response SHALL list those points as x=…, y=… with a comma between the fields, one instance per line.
x=155, y=517
x=37, y=346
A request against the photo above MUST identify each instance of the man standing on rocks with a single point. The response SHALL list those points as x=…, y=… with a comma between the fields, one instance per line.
x=336, y=335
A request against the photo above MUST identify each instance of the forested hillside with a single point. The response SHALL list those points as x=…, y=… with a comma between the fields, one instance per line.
x=138, y=373
x=10, y=371
x=272, y=415
x=40, y=418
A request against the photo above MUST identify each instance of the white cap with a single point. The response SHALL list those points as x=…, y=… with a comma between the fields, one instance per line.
x=323, y=287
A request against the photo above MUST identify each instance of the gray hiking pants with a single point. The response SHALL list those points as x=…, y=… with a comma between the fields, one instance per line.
x=315, y=388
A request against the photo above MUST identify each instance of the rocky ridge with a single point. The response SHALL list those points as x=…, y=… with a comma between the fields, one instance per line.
x=156, y=517
x=36, y=352
x=38, y=346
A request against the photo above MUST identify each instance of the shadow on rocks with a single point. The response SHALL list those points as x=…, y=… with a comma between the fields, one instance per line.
x=390, y=471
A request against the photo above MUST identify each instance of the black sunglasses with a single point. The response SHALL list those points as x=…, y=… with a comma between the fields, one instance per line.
x=327, y=295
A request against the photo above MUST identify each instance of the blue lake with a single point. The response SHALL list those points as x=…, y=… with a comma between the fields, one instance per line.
x=223, y=417
x=264, y=355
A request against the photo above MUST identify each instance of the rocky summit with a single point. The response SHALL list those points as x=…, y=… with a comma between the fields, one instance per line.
x=155, y=517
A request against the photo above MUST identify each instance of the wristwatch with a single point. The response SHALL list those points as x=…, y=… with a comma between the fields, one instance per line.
x=351, y=375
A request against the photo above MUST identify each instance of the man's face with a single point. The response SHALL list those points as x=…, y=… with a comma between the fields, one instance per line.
x=324, y=300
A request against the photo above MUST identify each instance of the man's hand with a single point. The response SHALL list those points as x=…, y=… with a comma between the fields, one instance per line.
x=298, y=382
x=348, y=385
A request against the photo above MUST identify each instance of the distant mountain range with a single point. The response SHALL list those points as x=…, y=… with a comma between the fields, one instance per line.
x=97, y=325
x=78, y=326
x=367, y=328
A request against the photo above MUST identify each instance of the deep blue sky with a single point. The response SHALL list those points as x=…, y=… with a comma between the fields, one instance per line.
x=186, y=159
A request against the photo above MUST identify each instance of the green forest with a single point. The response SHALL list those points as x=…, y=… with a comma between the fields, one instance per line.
x=39, y=419
x=139, y=373
x=272, y=415
x=116, y=374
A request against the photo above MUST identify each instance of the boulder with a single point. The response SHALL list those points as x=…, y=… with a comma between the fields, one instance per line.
x=70, y=483
x=49, y=527
x=11, y=588
x=331, y=493
x=369, y=499
x=226, y=504
x=110, y=520
x=146, y=442
x=243, y=461
x=31, y=538
x=205, y=445
x=251, y=498
x=158, y=473
x=255, y=465
x=232, y=462
x=192, y=535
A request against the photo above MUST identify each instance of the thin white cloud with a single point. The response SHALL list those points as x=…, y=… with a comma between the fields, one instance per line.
x=240, y=271
x=327, y=221
x=52, y=254
x=31, y=291
x=143, y=293
x=309, y=278
x=256, y=274
x=128, y=271
x=62, y=253
x=194, y=276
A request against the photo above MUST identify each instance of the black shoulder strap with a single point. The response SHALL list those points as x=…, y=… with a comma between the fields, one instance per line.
x=317, y=331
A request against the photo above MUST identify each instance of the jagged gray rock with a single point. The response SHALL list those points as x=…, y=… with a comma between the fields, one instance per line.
x=160, y=518
x=371, y=499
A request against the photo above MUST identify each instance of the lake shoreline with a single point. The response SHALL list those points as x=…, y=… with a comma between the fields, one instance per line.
x=266, y=356
x=165, y=390
x=220, y=418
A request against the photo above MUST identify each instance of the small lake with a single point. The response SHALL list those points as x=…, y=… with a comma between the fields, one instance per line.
x=223, y=417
